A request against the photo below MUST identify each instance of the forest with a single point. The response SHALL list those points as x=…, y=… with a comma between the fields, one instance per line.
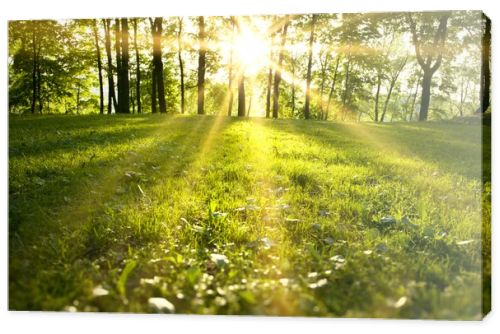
x=322, y=165
x=370, y=67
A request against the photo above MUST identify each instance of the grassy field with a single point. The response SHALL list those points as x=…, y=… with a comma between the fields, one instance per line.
x=254, y=216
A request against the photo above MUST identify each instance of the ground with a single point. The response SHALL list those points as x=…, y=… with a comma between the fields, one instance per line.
x=226, y=216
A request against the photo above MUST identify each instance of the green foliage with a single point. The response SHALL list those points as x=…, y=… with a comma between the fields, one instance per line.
x=368, y=46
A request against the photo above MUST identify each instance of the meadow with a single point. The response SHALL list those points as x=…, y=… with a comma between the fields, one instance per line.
x=219, y=215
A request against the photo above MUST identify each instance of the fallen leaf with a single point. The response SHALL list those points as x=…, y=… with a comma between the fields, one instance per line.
x=160, y=305
x=219, y=259
x=338, y=259
x=329, y=241
x=99, y=291
x=401, y=302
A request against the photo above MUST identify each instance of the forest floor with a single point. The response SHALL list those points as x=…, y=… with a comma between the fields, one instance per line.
x=226, y=216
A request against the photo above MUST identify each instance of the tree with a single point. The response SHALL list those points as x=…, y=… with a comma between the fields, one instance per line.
x=123, y=79
x=181, y=64
x=269, y=79
x=137, y=70
x=112, y=102
x=99, y=67
x=230, y=69
x=324, y=58
x=158, y=84
x=202, y=51
x=332, y=88
x=429, y=51
x=118, y=57
x=36, y=70
x=484, y=91
x=309, y=66
x=277, y=71
x=393, y=77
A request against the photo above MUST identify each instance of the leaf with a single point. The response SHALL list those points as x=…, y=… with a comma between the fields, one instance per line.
x=218, y=214
x=122, y=281
x=99, y=291
x=338, y=259
x=266, y=243
x=160, y=305
x=388, y=220
x=140, y=189
x=318, y=284
x=150, y=281
x=219, y=259
x=284, y=282
x=312, y=275
x=401, y=302
x=329, y=241
x=464, y=242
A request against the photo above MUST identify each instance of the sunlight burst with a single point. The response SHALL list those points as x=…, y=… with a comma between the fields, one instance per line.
x=252, y=50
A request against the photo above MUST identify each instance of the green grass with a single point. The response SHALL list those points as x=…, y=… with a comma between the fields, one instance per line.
x=314, y=218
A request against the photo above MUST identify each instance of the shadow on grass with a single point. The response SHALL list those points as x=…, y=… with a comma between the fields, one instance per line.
x=453, y=147
x=60, y=219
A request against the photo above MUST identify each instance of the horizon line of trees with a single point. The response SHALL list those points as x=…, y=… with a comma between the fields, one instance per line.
x=356, y=66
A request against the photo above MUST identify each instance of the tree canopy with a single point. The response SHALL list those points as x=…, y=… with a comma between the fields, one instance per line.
x=369, y=67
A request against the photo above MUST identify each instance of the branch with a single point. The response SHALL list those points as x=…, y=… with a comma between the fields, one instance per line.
x=416, y=42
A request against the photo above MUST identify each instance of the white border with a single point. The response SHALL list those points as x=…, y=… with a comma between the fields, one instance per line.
x=44, y=322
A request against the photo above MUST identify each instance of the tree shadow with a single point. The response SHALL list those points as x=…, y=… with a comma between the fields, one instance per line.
x=454, y=148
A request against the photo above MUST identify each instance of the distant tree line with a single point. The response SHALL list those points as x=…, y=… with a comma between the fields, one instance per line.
x=376, y=66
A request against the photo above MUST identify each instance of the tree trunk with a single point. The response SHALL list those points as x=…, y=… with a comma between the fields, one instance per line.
x=249, y=104
x=379, y=83
x=78, y=99
x=99, y=68
x=154, y=88
x=158, y=82
x=324, y=67
x=484, y=91
x=309, y=67
x=181, y=67
x=201, y=65
x=268, y=93
x=346, y=89
x=394, y=79
x=269, y=79
x=429, y=65
x=137, y=71
x=386, y=103
x=119, y=81
x=241, y=94
x=132, y=96
x=230, y=71
x=426, y=96
x=111, y=82
x=124, y=95
x=277, y=73
x=415, y=97
x=39, y=82
x=332, y=89
x=33, y=76
x=293, y=88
